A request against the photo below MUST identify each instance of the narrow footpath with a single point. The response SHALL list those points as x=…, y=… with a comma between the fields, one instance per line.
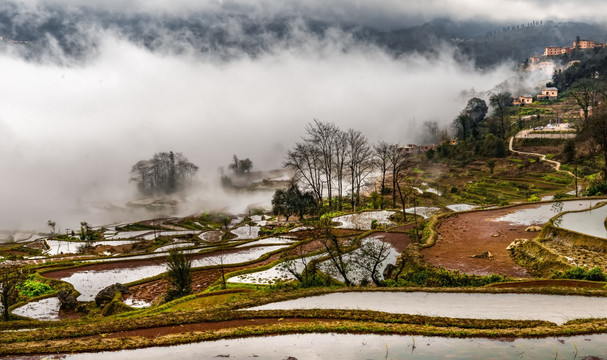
x=556, y=164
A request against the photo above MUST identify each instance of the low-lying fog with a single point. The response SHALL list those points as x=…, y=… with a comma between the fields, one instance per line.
x=69, y=134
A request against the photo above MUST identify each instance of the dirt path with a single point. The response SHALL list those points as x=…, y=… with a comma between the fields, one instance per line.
x=556, y=164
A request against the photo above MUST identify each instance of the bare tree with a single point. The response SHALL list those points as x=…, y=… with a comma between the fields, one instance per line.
x=302, y=267
x=341, y=155
x=322, y=135
x=305, y=161
x=52, y=225
x=360, y=163
x=336, y=252
x=370, y=256
x=397, y=163
x=587, y=94
x=382, y=158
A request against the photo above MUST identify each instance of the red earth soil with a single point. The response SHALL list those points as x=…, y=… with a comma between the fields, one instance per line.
x=464, y=235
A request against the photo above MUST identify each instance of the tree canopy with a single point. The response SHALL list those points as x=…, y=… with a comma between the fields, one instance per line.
x=240, y=166
x=293, y=201
x=164, y=173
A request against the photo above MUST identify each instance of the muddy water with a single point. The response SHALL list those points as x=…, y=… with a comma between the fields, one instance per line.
x=554, y=308
x=590, y=222
x=350, y=346
x=89, y=281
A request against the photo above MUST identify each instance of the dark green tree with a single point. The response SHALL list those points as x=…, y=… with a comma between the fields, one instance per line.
x=569, y=150
x=241, y=167
x=293, y=201
x=500, y=102
x=179, y=275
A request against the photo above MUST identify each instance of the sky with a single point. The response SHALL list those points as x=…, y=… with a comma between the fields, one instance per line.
x=376, y=12
x=70, y=130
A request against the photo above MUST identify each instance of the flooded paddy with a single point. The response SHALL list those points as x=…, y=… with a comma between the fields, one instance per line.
x=274, y=274
x=128, y=235
x=541, y=213
x=590, y=222
x=44, y=310
x=555, y=308
x=267, y=241
x=362, y=221
x=91, y=279
x=365, y=346
x=58, y=247
x=357, y=273
x=246, y=232
x=176, y=245
x=461, y=207
x=423, y=211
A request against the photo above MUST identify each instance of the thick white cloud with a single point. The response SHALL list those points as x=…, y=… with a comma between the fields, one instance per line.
x=69, y=134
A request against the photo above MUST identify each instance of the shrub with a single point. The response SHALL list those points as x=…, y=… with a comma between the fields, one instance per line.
x=579, y=273
x=33, y=288
x=595, y=274
x=374, y=224
x=597, y=188
x=179, y=275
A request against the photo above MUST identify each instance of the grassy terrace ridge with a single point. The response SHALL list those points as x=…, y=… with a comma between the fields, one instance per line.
x=80, y=336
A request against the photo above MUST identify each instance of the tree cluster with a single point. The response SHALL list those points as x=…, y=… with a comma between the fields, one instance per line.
x=479, y=134
x=329, y=160
x=293, y=201
x=241, y=167
x=164, y=173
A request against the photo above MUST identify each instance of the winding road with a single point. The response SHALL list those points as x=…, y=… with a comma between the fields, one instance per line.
x=556, y=164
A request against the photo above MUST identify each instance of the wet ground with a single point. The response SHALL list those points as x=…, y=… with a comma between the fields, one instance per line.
x=365, y=346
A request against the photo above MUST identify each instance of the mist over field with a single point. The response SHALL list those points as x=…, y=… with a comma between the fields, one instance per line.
x=71, y=126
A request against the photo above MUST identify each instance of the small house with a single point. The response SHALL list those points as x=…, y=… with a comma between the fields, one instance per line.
x=522, y=100
x=550, y=93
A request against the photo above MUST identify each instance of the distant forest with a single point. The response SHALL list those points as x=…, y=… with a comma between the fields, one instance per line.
x=485, y=43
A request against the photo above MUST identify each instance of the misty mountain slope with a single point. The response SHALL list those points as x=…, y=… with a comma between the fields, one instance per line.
x=523, y=42
x=74, y=32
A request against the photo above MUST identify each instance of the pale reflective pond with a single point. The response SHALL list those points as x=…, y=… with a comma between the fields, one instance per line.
x=355, y=347
x=541, y=214
x=461, y=207
x=57, y=247
x=590, y=222
x=90, y=282
x=362, y=221
x=555, y=308
x=423, y=211
x=45, y=309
